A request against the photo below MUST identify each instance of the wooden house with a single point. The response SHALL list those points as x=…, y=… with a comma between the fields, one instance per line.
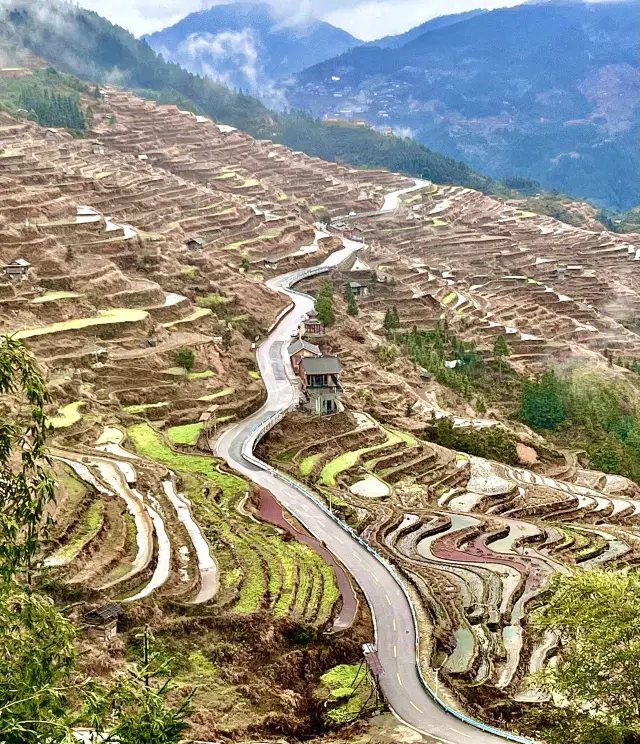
x=321, y=386
x=312, y=325
x=17, y=269
x=301, y=349
x=195, y=244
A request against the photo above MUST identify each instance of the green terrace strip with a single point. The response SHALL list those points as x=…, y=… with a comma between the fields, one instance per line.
x=52, y=296
x=306, y=466
x=219, y=394
x=150, y=443
x=254, y=374
x=103, y=317
x=198, y=313
x=67, y=415
x=348, y=459
x=138, y=408
x=185, y=434
x=89, y=527
x=200, y=375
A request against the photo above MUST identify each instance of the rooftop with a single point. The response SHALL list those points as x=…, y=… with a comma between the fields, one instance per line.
x=326, y=365
x=300, y=344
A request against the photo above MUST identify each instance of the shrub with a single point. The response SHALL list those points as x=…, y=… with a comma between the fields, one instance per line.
x=186, y=358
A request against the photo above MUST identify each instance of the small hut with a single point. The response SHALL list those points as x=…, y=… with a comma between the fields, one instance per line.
x=195, y=244
x=102, y=622
x=17, y=269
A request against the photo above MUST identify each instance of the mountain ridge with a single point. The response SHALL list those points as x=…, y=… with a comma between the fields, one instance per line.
x=546, y=91
x=247, y=45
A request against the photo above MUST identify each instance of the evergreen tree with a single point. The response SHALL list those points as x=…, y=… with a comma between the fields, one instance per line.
x=541, y=402
x=390, y=321
x=324, y=304
x=350, y=298
x=500, y=350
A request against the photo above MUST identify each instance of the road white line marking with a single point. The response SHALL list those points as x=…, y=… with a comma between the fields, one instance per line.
x=339, y=540
x=416, y=707
x=375, y=577
x=400, y=683
x=386, y=596
x=357, y=557
x=395, y=652
x=394, y=624
x=462, y=733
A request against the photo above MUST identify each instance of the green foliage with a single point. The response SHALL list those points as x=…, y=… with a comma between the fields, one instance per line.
x=37, y=657
x=27, y=486
x=324, y=304
x=185, y=357
x=391, y=319
x=541, y=403
x=244, y=264
x=500, y=350
x=53, y=109
x=597, y=617
x=491, y=442
x=430, y=350
x=350, y=299
x=386, y=354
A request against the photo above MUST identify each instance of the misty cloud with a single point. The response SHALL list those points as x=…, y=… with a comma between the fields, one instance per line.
x=232, y=58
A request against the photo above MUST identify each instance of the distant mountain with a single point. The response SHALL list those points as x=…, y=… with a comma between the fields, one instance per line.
x=548, y=91
x=393, y=42
x=247, y=45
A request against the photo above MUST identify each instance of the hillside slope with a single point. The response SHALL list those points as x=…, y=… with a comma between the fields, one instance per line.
x=246, y=45
x=85, y=44
x=547, y=91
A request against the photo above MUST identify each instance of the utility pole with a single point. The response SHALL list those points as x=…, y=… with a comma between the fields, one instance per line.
x=146, y=656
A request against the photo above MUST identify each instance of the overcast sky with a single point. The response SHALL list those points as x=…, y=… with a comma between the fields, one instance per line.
x=366, y=19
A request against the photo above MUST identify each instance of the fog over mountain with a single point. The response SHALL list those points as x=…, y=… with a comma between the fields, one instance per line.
x=248, y=46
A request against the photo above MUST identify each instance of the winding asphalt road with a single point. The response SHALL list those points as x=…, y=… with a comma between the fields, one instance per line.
x=395, y=630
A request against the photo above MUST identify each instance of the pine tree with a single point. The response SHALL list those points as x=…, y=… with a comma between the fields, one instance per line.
x=500, y=350
x=350, y=298
x=391, y=321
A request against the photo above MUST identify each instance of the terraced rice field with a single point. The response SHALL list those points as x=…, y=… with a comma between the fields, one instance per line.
x=477, y=541
x=137, y=531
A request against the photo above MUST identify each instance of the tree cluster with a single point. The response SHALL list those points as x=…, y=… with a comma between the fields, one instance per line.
x=324, y=304
x=431, y=349
x=52, y=109
x=491, y=442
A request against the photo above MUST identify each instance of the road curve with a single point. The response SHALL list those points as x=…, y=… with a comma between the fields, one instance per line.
x=390, y=608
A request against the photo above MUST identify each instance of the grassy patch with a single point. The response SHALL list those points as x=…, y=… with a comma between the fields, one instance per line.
x=104, y=317
x=306, y=466
x=218, y=394
x=150, y=443
x=449, y=298
x=200, y=375
x=349, y=459
x=51, y=296
x=89, y=528
x=67, y=415
x=439, y=222
x=345, y=701
x=189, y=271
x=144, y=407
x=185, y=434
x=254, y=374
x=199, y=312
